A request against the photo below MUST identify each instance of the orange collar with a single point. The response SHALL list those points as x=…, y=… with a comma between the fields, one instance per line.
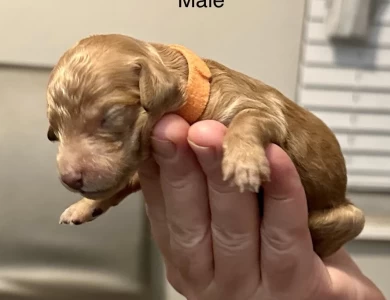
x=198, y=86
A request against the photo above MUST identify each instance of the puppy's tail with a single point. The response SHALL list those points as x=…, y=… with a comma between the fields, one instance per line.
x=332, y=228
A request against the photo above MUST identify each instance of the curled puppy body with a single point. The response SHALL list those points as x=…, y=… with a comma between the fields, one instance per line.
x=107, y=92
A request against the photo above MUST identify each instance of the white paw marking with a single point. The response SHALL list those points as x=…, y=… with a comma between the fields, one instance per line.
x=246, y=169
x=81, y=212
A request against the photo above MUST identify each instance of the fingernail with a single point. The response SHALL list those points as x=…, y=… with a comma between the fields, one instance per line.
x=164, y=148
x=206, y=155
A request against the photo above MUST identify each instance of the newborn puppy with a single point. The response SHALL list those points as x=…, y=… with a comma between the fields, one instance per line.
x=108, y=91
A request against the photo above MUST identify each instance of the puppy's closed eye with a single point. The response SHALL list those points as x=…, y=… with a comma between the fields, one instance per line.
x=118, y=117
x=113, y=117
x=51, y=136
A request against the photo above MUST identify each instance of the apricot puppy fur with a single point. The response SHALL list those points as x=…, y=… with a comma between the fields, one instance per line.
x=107, y=92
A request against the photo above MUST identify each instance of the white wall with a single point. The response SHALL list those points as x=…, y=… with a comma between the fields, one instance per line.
x=259, y=37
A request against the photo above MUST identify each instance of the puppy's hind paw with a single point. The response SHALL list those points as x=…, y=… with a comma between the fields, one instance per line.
x=246, y=169
x=83, y=211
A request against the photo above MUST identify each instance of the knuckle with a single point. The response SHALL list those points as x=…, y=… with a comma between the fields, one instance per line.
x=179, y=167
x=187, y=237
x=222, y=188
x=179, y=182
x=232, y=242
x=283, y=240
x=175, y=182
x=285, y=252
x=175, y=172
x=191, y=256
x=221, y=182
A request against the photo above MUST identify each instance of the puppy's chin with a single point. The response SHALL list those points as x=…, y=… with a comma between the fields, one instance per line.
x=105, y=194
x=100, y=194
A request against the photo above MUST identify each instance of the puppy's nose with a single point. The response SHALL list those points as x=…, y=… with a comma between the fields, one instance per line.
x=74, y=180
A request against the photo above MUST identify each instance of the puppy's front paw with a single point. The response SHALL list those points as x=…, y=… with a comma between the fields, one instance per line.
x=83, y=211
x=246, y=169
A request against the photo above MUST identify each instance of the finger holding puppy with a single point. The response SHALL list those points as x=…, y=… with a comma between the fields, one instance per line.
x=184, y=194
x=235, y=218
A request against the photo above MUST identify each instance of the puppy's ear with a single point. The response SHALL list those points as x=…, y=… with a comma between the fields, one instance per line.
x=51, y=136
x=159, y=88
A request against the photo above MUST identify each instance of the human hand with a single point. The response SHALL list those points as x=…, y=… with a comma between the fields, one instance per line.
x=214, y=244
